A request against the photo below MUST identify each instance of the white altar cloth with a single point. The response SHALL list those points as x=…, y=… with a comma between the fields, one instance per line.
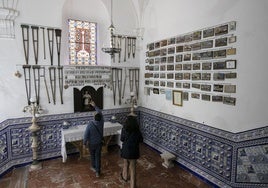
x=77, y=133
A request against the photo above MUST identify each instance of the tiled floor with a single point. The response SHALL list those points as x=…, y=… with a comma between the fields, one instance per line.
x=76, y=173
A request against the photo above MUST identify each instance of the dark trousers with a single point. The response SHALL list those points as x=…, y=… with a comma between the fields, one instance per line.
x=95, y=155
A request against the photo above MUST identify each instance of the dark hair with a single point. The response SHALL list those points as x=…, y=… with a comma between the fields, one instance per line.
x=132, y=124
x=97, y=117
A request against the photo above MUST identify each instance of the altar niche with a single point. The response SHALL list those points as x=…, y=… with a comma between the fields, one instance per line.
x=83, y=98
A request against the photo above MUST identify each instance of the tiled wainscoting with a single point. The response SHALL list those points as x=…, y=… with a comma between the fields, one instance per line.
x=15, y=139
x=223, y=158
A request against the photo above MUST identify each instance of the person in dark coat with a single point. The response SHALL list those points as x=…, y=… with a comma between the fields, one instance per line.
x=93, y=139
x=131, y=137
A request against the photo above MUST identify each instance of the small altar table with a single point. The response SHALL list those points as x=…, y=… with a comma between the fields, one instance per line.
x=76, y=135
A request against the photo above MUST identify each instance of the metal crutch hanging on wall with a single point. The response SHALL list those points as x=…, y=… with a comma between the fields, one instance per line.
x=125, y=52
x=36, y=67
x=44, y=41
x=119, y=83
x=114, y=76
x=52, y=71
x=60, y=68
x=137, y=81
x=133, y=46
x=131, y=79
x=119, y=44
x=129, y=46
x=45, y=81
x=125, y=81
x=26, y=67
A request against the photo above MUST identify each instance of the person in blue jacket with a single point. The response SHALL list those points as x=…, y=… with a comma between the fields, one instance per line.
x=131, y=137
x=93, y=139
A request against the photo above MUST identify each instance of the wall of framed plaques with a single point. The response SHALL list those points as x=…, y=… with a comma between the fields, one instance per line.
x=201, y=63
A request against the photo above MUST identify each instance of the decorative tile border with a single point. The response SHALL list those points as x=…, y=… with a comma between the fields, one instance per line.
x=223, y=158
x=211, y=153
x=15, y=140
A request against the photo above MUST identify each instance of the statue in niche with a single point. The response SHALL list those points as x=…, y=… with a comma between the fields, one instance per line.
x=87, y=99
x=83, y=97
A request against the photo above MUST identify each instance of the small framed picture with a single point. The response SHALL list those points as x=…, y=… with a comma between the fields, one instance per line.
x=221, y=30
x=185, y=96
x=170, y=84
x=208, y=32
x=177, y=97
x=230, y=89
x=218, y=87
x=231, y=51
x=232, y=39
x=195, y=95
x=230, y=75
x=179, y=49
x=207, y=44
x=196, y=66
x=205, y=97
x=217, y=98
x=171, y=41
x=221, y=42
x=178, y=84
x=230, y=64
x=197, y=35
x=229, y=100
x=156, y=91
x=196, y=86
x=232, y=26
x=171, y=50
x=178, y=58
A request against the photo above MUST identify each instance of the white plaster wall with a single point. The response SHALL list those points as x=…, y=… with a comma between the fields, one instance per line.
x=164, y=19
x=54, y=13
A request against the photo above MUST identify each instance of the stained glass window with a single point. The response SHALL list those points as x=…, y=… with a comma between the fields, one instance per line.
x=82, y=42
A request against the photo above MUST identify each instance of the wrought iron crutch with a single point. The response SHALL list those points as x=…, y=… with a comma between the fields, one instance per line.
x=114, y=42
x=131, y=79
x=45, y=81
x=44, y=42
x=36, y=67
x=119, y=82
x=26, y=67
x=137, y=77
x=125, y=54
x=52, y=71
x=119, y=46
x=114, y=76
x=129, y=47
x=60, y=68
x=133, y=46
x=125, y=81
x=36, y=73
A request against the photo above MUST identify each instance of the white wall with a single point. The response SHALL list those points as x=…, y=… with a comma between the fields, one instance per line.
x=164, y=19
x=55, y=13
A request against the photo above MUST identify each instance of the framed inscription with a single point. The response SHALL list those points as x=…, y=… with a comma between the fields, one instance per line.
x=177, y=97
